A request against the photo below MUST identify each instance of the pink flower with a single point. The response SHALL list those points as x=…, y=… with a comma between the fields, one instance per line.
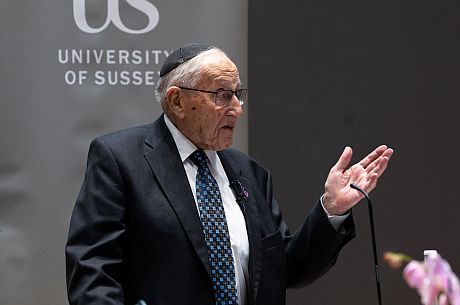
x=441, y=279
x=432, y=280
x=453, y=290
x=414, y=273
x=443, y=300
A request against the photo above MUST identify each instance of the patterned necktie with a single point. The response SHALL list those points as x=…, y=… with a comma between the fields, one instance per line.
x=214, y=223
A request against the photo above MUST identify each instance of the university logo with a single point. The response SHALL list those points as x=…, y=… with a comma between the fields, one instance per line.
x=113, y=15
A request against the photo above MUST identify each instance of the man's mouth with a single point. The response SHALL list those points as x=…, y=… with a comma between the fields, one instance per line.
x=228, y=127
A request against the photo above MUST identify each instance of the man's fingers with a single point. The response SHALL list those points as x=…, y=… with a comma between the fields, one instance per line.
x=376, y=162
x=344, y=159
x=374, y=174
x=382, y=166
x=373, y=156
x=367, y=183
x=378, y=166
x=372, y=183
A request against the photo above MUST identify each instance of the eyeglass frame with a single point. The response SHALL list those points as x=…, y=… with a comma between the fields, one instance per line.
x=221, y=90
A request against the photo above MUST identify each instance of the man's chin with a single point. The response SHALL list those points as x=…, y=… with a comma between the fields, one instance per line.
x=222, y=145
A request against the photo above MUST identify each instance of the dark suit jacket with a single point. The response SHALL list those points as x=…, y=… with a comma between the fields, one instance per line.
x=135, y=231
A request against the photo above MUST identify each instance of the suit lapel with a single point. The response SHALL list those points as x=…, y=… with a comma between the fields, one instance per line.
x=164, y=160
x=234, y=173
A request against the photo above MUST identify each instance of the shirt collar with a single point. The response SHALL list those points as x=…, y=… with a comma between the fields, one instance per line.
x=185, y=146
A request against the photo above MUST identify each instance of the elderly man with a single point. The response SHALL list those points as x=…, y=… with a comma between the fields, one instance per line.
x=169, y=214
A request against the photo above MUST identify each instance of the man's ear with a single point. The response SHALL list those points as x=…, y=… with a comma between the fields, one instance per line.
x=175, y=101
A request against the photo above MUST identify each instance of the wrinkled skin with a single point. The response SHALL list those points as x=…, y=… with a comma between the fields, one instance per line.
x=196, y=115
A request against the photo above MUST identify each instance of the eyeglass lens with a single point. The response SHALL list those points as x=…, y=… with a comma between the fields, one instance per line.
x=224, y=97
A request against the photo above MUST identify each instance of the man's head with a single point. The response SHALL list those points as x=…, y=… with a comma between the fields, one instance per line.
x=208, y=119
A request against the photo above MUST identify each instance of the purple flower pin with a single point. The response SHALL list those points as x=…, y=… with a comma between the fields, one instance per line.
x=245, y=193
x=240, y=192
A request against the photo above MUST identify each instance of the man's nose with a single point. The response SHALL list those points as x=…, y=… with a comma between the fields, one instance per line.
x=236, y=107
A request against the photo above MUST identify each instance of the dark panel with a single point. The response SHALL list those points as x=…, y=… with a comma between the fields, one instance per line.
x=326, y=74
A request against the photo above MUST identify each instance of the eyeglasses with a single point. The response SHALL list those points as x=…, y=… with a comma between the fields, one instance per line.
x=223, y=97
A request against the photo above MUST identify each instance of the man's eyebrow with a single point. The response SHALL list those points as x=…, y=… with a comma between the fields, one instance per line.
x=226, y=85
x=229, y=89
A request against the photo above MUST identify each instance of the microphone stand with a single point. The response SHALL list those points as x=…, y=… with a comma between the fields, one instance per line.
x=374, y=247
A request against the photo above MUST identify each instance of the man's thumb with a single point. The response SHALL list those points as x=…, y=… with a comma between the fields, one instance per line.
x=344, y=159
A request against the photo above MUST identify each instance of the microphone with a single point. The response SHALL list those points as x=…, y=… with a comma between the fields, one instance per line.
x=374, y=247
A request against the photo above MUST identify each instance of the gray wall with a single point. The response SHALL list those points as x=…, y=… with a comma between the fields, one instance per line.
x=326, y=74
x=46, y=123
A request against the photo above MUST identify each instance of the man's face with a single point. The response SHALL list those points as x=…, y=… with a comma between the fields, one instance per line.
x=207, y=125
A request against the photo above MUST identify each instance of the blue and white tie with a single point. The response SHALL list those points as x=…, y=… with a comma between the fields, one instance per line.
x=214, y=223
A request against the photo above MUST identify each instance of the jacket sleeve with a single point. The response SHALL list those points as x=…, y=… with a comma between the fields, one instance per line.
x=314, y=247
x=94, y=247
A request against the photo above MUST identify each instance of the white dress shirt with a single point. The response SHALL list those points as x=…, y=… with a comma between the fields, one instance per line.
x=235, y=219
